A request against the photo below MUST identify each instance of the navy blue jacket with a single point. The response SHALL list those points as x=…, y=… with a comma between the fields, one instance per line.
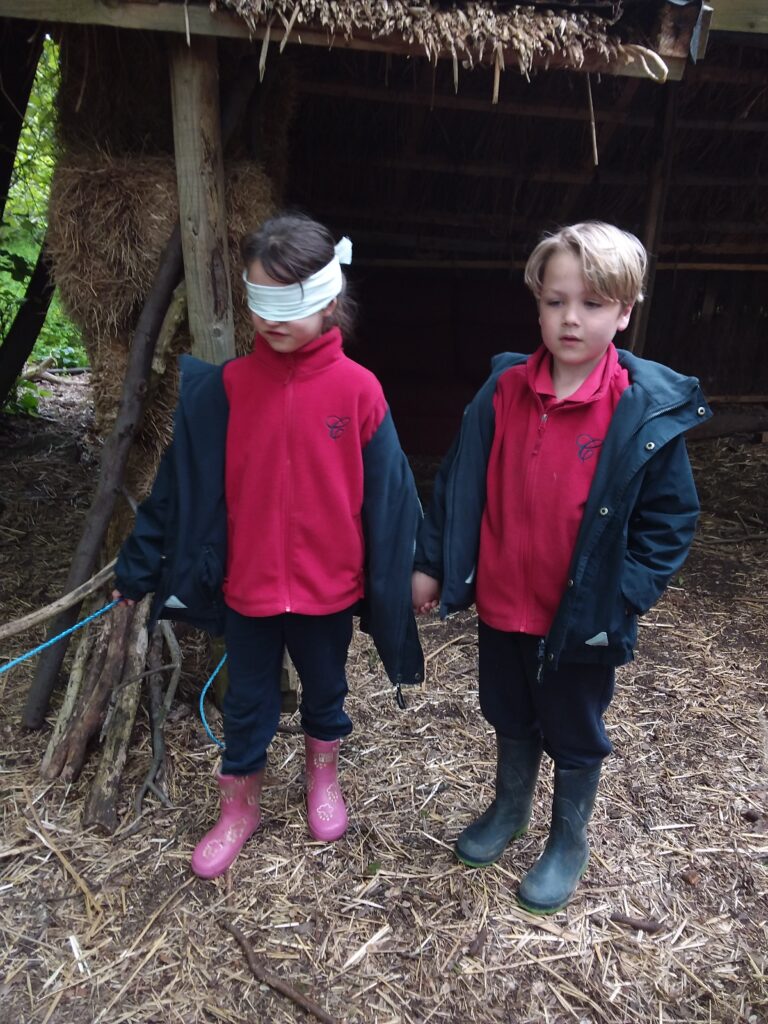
x=179, y=542
x=638, y=522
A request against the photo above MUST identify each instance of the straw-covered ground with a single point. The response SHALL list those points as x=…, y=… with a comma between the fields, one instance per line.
x=669, y=925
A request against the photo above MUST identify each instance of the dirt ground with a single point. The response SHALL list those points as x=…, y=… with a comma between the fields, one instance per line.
x=669, y=925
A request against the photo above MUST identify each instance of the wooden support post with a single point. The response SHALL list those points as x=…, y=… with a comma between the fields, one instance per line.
x=658, y=186
x=202, y=212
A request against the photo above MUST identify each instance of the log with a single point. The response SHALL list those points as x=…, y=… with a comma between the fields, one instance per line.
x=101, y=805
x=91, y=710
x=81, y=683
x=76, y=674
x=105, y=668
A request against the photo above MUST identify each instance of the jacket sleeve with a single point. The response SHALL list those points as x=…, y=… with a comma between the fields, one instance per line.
x=661, y=526
x=464, y=466
x=429, y=544
x=140, y=560
x=391, y=515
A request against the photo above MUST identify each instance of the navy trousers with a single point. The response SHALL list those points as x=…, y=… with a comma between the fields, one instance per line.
x=565, y=707
x=318, y=646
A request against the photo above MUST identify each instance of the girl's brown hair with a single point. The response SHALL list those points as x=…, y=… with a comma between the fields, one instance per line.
x=291, y=247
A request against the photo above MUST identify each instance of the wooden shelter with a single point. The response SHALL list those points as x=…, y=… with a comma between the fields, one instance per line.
x=412, y=129
x=443, y=140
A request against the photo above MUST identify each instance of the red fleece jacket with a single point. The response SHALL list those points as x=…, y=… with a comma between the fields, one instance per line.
x=298, y=425
x=543, y=460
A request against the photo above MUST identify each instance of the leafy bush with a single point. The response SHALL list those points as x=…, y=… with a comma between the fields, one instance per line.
x=23, y=230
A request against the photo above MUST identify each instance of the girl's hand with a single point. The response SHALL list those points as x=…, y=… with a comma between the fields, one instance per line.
x=425, y=592
x=117, y=596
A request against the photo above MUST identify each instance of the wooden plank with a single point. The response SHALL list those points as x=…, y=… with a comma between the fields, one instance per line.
x=164, y=16
x=202, y=212
x=740, y=16
x=396, y=262
x=615, y=116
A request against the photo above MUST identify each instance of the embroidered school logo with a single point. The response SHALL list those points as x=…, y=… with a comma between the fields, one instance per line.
x=587, y=446
x=336, y=426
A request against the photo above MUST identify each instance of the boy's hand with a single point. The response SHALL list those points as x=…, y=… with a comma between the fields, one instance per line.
x=426, y=592
x=117, y=596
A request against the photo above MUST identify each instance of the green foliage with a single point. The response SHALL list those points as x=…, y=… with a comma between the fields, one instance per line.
x=23, y=229
x=25, y=398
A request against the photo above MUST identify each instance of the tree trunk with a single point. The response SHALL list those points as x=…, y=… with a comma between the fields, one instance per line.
x=28, y=322
x=20, y=47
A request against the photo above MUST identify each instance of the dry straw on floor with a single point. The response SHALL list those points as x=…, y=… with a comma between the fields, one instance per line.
x=669, y=925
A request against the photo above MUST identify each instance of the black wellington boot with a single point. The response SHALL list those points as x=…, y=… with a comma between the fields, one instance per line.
x=517, y=768
x=552, y=880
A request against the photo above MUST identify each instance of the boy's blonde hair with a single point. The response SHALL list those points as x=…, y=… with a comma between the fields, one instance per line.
x=614, y=262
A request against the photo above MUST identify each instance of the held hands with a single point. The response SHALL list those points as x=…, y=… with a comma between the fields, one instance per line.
x=117, y=596
x=426, y=592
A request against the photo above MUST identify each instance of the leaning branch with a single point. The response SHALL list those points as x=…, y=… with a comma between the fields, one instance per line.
x=61, y=604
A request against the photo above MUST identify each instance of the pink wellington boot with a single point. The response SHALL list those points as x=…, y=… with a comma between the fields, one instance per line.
x=326, y=813
x=239, y=819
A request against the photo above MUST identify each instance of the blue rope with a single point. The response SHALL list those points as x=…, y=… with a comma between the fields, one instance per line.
x=202, y=702
x=55, y=639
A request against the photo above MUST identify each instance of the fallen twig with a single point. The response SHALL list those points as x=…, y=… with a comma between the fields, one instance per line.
x=274, y=982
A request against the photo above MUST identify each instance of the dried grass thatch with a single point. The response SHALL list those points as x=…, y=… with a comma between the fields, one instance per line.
x=471, y=33
x=669, y=925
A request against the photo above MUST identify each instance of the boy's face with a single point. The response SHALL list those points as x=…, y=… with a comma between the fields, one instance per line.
x=290, y=335
x=577, y=325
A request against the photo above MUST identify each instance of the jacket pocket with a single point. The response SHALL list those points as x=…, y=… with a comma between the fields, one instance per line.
x=623, y=629
x=209, y=573
x=198, y=584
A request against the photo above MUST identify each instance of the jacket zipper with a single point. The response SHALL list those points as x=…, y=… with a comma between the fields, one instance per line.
x=531, y=478
x=287, y=470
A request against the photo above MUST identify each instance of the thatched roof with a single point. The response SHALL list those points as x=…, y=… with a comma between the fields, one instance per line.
x=471, y=33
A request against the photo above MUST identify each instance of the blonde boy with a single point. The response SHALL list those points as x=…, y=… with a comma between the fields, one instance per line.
x=562, y=510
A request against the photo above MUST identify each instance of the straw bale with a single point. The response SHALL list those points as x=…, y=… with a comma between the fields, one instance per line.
x=110, y=218
x=669, y=924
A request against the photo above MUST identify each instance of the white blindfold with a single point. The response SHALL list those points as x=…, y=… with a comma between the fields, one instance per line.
x=282, y=303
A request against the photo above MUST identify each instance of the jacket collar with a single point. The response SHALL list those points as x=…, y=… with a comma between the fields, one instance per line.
x=663, y=385
x=318, y=355
x=591, y=389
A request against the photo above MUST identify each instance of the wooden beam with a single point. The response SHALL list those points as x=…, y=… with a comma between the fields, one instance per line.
x=396, y=262
x=558, y=176
x=740, y=16
x=616, y=115
x=195, y=19
x=202, y=211
x=658, y=188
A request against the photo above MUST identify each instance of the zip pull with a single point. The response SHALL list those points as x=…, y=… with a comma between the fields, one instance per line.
x=399, y=698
